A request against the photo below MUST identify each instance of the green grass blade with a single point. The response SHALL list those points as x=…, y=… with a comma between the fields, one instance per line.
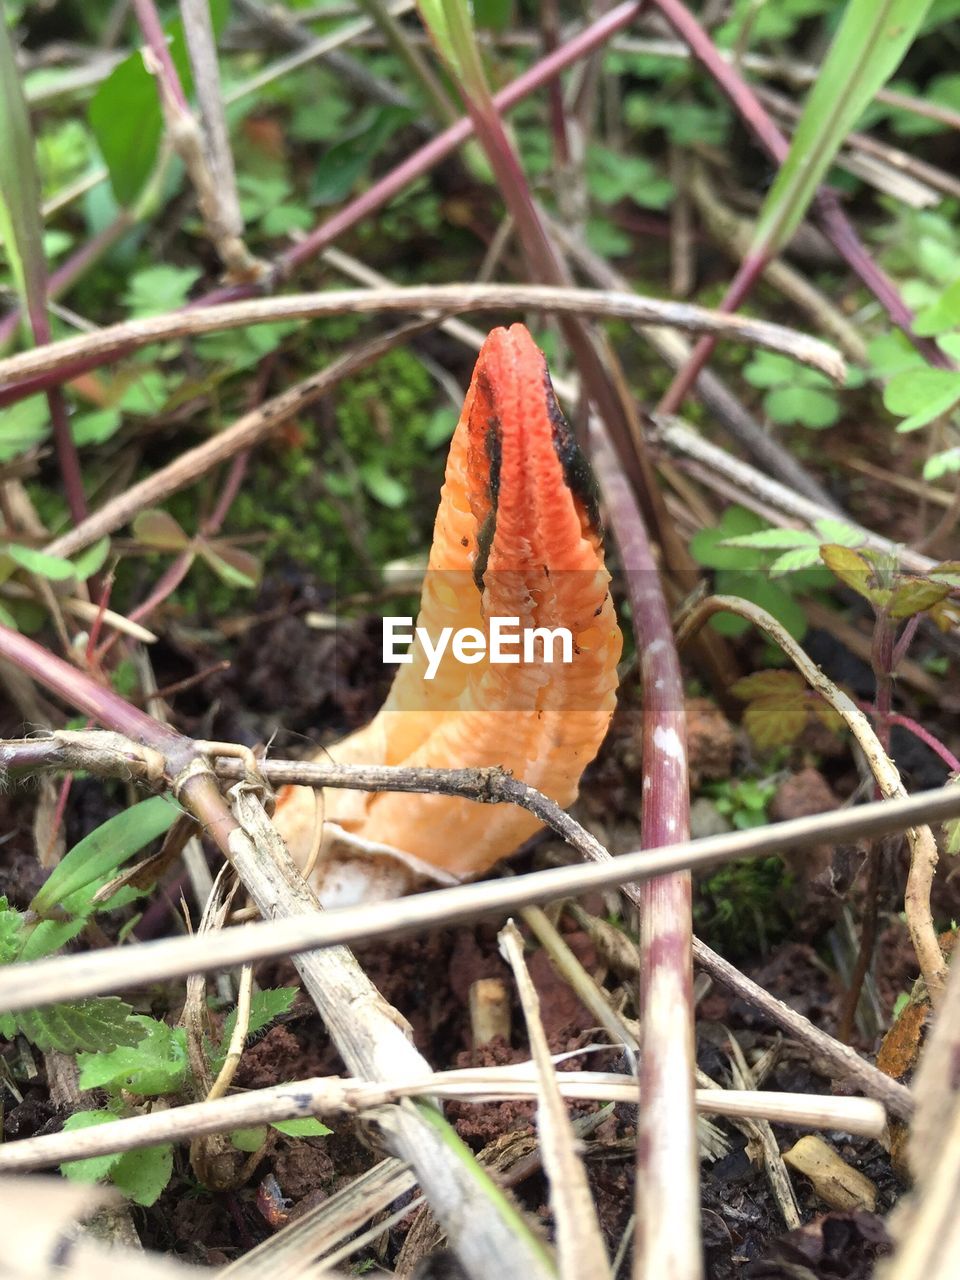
x=870, y=43
x=20, y=222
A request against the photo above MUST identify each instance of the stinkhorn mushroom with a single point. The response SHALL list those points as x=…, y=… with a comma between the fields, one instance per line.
x=517, y=536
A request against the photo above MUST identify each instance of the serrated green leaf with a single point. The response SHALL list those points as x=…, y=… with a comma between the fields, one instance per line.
x=84, y=1026
x=142, y=1175
x=707, y=546
x=156, y=1063
x=305, y=1127
x=159, y=288
x=53, y=568
x=106, y=848
x=11, y=927
x=774, y=539
x=95, y=1167
x=793, y=561
x=265, y=1006
x=387, y=489
x=870, y=43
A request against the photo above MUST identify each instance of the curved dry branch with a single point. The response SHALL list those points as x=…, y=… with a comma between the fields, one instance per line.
x=450, y=299
x=923, y=847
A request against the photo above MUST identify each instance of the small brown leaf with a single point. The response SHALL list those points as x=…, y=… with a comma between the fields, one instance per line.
x=767, y=684
x=776, y=721
x=159, y=530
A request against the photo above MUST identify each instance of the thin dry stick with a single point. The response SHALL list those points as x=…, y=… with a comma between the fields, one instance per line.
x=683, y=440
x=580, y=1251
x=333, y=1096
x=450, y=299
x=923, y=847
x=926, y=1224
x=674, y=348
x=247, y=431
x=214, y=177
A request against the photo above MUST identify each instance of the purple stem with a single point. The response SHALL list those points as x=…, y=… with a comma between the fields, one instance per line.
x=156, y=40
x=928, y=739
x=430, y=154
x=85, y=694
x=667, y=1205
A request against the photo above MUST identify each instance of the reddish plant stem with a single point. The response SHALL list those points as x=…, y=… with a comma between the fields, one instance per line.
x=667, y=1201
x=156, y=40
x=833, y=221
x=86, y=695
x=382, y=191
x=927, y=738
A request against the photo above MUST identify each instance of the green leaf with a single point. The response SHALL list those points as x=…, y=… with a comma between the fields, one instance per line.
x=942, y=464
x=387, y=489
x=159, y=530
x=106, y=848
x=96, y=427
x=84, y=1026
x=922, y=391
x=21, y=225
x=943, y=315
x=265, y=1006
x=349, y=159
x=153, y=1064
x=794, y=561
x=870, y=43
x=125, y=115
x=808, y=406
x=774, y=539
x=708, y=546
x=433, y=13
x=306, y=1127
x=142, y=1175
x=22, y=426
x=91, y=561
x=236, y=567
x=11, y=928
x=251, y=1139
x=154, y=290
x=95, y=1167
x=44, y=566
x=46, y=937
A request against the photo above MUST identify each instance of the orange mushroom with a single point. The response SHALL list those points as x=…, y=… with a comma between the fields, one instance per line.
x=517, y=536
